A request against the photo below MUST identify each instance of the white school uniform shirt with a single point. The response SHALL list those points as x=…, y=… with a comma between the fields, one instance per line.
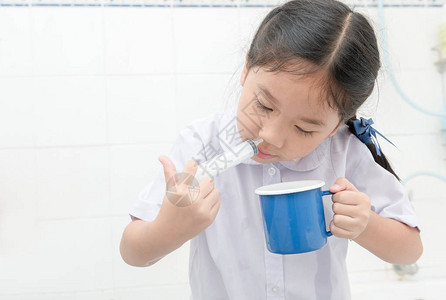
x=229, y=259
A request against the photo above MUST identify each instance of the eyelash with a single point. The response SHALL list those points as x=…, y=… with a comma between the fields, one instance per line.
x=263, y=107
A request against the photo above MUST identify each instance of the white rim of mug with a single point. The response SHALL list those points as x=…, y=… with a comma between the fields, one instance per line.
x=289, y=187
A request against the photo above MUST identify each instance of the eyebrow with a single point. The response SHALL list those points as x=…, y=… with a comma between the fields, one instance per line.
x=267, y=93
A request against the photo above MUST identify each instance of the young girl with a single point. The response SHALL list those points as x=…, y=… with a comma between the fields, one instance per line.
x=311, y=64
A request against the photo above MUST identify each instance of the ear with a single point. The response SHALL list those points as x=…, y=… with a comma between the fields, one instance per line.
x=336, y=129
x=244, y=72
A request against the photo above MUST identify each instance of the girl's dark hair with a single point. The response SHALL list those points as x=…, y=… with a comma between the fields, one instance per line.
x=306, y=36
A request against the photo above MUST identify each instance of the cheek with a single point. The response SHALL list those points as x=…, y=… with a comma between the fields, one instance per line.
x=302, y=146
x=250, y=116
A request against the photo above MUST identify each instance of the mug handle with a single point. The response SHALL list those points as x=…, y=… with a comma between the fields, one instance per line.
x=326, y=193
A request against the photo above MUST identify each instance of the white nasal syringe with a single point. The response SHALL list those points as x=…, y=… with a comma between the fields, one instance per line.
x=226, y=160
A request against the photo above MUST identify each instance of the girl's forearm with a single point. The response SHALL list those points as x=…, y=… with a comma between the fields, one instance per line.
x=391, y=240
x=144, y=243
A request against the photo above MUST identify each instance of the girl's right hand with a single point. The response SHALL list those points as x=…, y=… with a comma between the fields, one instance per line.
x=186, y=209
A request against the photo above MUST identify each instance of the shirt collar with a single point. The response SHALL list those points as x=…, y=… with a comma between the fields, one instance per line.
x=229, y=137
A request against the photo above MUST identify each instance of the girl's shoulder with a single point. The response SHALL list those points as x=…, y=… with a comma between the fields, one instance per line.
x=346, y=142
x=348, y=151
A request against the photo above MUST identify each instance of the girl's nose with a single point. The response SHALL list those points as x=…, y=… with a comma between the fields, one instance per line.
x=273, y=133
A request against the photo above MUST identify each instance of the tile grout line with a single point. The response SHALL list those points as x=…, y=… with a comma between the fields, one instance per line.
x=108, y=147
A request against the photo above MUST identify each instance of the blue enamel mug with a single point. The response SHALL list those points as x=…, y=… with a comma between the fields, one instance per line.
x=293, y=216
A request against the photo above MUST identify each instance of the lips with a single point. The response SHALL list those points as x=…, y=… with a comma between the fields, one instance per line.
x=264, y=155
x=264, y=152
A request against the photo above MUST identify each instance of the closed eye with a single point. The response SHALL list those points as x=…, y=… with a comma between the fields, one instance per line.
x=304, y=132
x=261, y=106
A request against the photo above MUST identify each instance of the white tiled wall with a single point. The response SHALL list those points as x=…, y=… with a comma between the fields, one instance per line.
x=90, y=96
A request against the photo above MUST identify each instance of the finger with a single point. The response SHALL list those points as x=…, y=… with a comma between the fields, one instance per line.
x=342, y=184
x=346, y=197
x=206, y=186
x=343, y=222
x=212, y=198
x=340, y=232
x=343, y=209
x=194, y=192
x=215, y=208
x=170, y=172
x=181, y=195
x=180, y=200
x=187, y=176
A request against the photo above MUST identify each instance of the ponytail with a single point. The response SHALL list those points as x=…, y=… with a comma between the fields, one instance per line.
x=379, y=158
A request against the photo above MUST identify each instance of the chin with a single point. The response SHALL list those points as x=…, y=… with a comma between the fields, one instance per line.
x=265, y=161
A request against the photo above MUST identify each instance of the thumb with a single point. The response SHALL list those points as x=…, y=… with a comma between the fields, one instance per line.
x=342, y=184
x=170, y=171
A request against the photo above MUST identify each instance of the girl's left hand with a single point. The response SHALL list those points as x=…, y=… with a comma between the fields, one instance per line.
x=351, y=210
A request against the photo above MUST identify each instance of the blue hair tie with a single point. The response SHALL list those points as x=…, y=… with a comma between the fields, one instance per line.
x=366, y=133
